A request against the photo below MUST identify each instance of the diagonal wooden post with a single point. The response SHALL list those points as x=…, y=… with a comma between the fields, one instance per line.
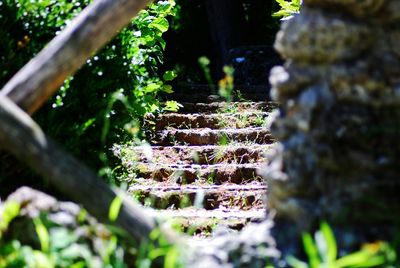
x=89, y=31
x=22, y=137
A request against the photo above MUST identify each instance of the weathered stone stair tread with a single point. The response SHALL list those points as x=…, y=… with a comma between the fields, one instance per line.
x=207, y=108
x=206, y=154
x=192, y=213
x=208, y=197
x=218, y=173
x=195, y=188
x=205, y=136
x=214, y=121
x=153, y=166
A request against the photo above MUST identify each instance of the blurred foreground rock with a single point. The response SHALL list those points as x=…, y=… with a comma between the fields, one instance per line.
x=339, y=123
x=73, y=234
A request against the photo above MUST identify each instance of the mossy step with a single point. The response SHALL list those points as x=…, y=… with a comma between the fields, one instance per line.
x=186, y=174
x=208, y=154
x=213, y=121
x=209, y=197
x=225, y=107
x=206, y=136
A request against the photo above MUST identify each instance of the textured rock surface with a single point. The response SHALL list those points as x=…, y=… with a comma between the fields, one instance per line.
x=233, y=250
x=340, y=119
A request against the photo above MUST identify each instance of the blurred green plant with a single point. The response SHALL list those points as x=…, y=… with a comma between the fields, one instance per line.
x=90, y=245
x=322, y=252
x=158, y=253
x=227, y=83
x=287, y=8
x=204, y=63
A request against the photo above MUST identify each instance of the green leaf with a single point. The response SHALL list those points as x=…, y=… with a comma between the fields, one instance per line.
x=204, y=61
x=169, y=75
x=311, y=251
x=330, y=242
x=163, y=6
x=167, y=89
x=161, y=24
x=172, y=106
x=115, y=207
x=42, y=260
x=10, y=211
x=295, y=263
x=362, y=258
x=42, y=234
x=171, y=258
x=151, y=88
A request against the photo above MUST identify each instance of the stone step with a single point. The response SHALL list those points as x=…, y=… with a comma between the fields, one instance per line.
x=209, y=197
x=187, y=174
x=225, y=107
x=213, y=121
x=193, y=213
x=206, y=136
x=207, y=154
x=202, y=223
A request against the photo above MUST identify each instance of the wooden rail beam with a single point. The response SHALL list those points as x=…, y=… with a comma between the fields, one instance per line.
x=41, y=77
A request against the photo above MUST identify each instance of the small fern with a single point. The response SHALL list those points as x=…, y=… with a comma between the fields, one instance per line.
x=287, y=8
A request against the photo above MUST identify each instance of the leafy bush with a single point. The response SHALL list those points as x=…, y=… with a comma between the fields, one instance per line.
x=108, y=97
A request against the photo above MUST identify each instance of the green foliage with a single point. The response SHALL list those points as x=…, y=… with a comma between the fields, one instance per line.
x=158, y=253
x=322, y=253
x=91, y=245
x=26, y=26
x=111, y=93
x=287, y=8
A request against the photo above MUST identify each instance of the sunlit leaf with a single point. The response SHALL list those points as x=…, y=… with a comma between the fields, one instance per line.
x=115, y=208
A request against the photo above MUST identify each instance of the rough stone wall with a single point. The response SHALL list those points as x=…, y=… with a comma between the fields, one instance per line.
x=340, y=118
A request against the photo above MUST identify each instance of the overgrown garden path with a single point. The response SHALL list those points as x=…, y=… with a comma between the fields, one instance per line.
x=202, y=167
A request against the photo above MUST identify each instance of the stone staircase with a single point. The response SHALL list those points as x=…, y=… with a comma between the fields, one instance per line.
x=201, y=166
